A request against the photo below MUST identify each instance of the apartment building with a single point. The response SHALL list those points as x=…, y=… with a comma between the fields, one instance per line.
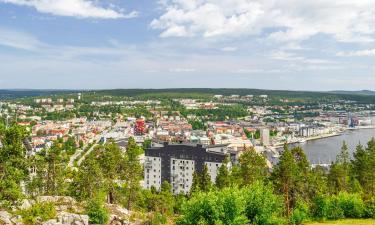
x=176, y=163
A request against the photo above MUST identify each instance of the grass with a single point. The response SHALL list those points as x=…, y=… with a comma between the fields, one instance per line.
x=345, y=222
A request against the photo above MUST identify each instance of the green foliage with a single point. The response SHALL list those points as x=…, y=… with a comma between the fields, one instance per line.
x=89, y=180
x=96, y=211
x=301, y=213
x=370, y=208
x=255, y=204
x=352, y=205
x=132, y=171
x=223, y=176
x=343, y=205
x=38, y=213
x=215, y=207
x=253, y=167
x=363, y=167
x=262, y=206
x=157, y=219
x=13, y=165
x=284, y=177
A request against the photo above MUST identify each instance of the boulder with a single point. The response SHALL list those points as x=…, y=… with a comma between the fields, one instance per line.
x=5, y=218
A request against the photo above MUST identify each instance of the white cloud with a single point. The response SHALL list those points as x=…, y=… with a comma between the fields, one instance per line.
x=281, y=21
x=18, y=40
x=366, y=52
x=229, y=49
x=182, y=70
x=74, y=8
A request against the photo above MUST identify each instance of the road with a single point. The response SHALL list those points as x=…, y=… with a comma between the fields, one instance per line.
x=79, y=152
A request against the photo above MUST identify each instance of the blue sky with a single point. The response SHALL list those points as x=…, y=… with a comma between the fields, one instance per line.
x=289, y=44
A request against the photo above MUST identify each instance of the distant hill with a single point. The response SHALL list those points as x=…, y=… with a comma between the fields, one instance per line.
x=21, y=93
x=359, y=96
x=363, y=92
x=186, y=92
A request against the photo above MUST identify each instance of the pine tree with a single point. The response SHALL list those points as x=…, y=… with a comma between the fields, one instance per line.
x=133, y=172
x=253, y=167
x=338, y=177
x=13, y=164
x=284, y=178
x=205, y=180
x=223, y=176
x=196, y=185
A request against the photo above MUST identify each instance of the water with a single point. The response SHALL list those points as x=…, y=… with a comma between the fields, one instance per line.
x=325, y=150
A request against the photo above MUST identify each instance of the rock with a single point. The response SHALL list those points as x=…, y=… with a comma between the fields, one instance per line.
x=72, y=219
x=65, y=218
x=5, y=218
x=57, y=199
x=26, y=204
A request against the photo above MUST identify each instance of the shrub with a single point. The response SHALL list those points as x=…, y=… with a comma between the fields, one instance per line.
x=157, y=219
x=351, y=204
x=225, y=207
x=327, y=207
x=301, y=213
x=343, y=205
x=370, y=208
x=38, y=213
x=96, y=211
x=262, y=206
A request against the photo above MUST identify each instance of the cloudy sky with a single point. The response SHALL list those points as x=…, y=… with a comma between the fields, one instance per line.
x=269, y=44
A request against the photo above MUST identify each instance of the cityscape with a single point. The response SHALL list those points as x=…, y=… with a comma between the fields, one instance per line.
x=187, y=112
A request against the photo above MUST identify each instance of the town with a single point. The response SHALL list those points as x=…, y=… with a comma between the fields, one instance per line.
x=210, y=126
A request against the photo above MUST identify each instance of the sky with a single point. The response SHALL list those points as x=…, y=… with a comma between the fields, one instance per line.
x=313, y=45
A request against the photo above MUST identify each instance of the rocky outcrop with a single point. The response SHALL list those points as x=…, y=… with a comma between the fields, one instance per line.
x=5, y=218
x=65, y=218
x=119, y=215
x=8, y=219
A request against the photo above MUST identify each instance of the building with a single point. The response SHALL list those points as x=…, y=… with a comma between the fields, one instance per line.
x=265, y=136
x=140, y=127
x=176, y=163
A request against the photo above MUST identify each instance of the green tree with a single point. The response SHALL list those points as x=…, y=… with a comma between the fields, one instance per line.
x=113, y=166
x=196, y=184
x=363, y=166
x=223, y=176
x=55, y=171
x=253, y=167
x=205, y=180
x=133, y=172
x=13, y=164
x=96, y=211
x=338, y=177
x=284, y=177
x=89, y=180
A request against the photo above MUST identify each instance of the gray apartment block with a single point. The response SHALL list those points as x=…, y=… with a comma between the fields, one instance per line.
x=176, y=163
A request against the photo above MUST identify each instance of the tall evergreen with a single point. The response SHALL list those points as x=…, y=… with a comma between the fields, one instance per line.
x=253, y=167
x=133, y=172
x=13, y=164
x=284, y=177
x=205, y=180
x=223, y=176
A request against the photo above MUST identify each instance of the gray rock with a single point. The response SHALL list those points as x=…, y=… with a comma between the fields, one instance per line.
x=5, y=218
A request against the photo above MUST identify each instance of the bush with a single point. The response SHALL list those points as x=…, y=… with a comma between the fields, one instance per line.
x=224, y=207
x=157, y=219
x=38, y=213
x=262, y=206
x=351, y=204
x=96, y=211
x=301, y=213
x=339, y=206
x=370, y=208
x=327, y=207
